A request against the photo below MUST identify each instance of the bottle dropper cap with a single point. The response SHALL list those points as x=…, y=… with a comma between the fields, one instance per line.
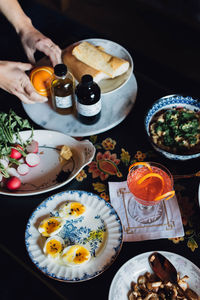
x=87, y=79
x=60, y=70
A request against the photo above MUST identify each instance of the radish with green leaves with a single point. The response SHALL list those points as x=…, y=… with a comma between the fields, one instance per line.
x=15, y=153
x=11, y=154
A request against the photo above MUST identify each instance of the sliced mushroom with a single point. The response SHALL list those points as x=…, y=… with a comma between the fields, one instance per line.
x=151, y=296
x=131, y=296
x=134, y=286
x=154, y=286
x=141, y=279
x=191, y=294
x=149, y=287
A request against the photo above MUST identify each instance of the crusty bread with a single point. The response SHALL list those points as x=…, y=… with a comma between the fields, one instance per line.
x=78, y=68
x=96, y=58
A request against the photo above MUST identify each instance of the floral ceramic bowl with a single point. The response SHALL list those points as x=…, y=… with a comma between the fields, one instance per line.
x=166, y=103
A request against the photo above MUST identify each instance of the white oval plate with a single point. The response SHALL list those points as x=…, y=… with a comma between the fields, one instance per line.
x=138, y=265
x=97, y=210
x=50, y=174
x=111, y=84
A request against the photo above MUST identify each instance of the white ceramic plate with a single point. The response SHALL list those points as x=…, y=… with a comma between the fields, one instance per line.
x=50, y=173
x=111, y=84
x=99, y=214
x=138, y=265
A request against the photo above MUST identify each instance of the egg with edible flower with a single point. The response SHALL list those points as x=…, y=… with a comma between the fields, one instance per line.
x=75, y=255
x=71, y=210
x=53, y=246
x=51, y=226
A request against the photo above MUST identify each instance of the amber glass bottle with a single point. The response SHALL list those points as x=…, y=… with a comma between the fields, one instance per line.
x=62, y=90
x=88, y=100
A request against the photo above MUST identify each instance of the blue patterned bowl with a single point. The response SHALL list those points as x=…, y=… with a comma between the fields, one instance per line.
x=168, y=102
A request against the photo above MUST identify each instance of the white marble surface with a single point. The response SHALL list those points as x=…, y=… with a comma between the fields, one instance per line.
x=115, y=107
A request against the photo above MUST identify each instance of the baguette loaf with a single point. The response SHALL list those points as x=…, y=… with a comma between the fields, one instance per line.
x=78, y=68
x=96, y=58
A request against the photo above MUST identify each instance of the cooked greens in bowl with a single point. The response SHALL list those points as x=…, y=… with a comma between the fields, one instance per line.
x=172, y=125
x=176, y=130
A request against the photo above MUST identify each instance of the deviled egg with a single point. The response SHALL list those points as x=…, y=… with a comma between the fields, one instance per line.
x=71, y=210
x=75, y=255
x=53, y=246
x=51, y=226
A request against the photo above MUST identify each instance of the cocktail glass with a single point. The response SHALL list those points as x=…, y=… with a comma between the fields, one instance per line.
x=149, y=183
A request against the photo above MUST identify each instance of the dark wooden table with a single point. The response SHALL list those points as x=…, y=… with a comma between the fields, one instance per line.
x=19, y=278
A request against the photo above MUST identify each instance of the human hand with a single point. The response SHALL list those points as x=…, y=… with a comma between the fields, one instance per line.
x=14, y=80
x=33, y=40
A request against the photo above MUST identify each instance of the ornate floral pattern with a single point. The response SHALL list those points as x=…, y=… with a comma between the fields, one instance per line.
x=81, y=176
x=125, y=157
x=140, y=156
x=107, y=164
x=177, y=240
x=109, y=144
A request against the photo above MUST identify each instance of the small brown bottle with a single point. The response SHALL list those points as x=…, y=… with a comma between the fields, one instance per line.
x=62, y=90
x=88, y=100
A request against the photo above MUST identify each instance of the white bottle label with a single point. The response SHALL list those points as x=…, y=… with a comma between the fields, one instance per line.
x=63, y=102
x=88, y=110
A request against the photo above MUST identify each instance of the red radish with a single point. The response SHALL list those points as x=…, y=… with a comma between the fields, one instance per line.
x=13, y=183
x=32, y=147
x=15, y=154
x=23, y=169
x=32, y=159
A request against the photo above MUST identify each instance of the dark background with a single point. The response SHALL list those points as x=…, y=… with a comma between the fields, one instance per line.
x=163, y=39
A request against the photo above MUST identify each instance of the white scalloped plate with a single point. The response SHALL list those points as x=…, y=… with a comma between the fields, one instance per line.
x=138, y=265
x=50, y=174
x=98, y=213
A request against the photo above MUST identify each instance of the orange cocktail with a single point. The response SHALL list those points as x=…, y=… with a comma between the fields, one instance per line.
x=150, y=183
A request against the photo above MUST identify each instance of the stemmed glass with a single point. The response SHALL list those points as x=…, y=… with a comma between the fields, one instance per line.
x=149, y=183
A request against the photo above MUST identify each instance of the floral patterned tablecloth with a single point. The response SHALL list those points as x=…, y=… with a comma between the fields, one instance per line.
x=111, y=162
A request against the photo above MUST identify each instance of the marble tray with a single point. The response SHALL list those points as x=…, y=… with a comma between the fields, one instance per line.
x=115, y=107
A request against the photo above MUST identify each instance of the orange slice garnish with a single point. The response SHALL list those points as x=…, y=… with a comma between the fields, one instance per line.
x=145, y=164
x=169, y=195
x=150, y=175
